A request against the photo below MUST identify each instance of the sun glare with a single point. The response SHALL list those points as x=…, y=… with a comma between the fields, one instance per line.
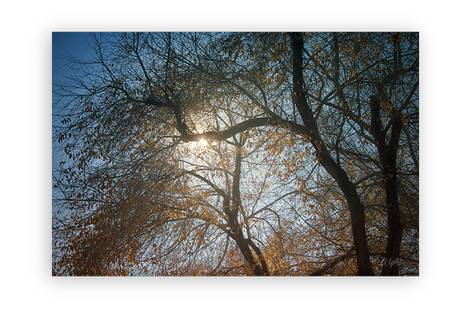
x=202, y=142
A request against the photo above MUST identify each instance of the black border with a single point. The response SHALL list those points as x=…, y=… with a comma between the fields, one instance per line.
x=42, y=286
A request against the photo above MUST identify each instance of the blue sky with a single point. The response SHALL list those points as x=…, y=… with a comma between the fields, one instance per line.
x=73, y=44
x=66, y=44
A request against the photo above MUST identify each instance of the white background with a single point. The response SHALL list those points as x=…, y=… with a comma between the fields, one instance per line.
x=13, y=178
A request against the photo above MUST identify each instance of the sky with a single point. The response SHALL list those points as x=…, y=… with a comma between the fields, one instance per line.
x=73, y=44
x=65, y=44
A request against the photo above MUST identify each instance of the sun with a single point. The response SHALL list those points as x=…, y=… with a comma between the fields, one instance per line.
x=202, y=142
x=198, y=145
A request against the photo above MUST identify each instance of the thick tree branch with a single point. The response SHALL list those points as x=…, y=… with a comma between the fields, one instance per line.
x=357, y=211
x=387, y=155
x=243, y=126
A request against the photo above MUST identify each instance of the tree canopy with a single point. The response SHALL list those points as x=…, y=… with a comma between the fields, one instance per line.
x=238, y=154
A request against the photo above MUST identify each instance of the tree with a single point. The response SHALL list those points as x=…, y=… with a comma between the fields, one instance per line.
x=239, y=153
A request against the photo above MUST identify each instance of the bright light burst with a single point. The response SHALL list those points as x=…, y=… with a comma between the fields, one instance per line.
x=203, y=142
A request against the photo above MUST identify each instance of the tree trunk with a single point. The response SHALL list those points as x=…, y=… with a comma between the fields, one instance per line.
x=257, y=264
x=387, y=154
x=356, y=209
x=258, y=269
